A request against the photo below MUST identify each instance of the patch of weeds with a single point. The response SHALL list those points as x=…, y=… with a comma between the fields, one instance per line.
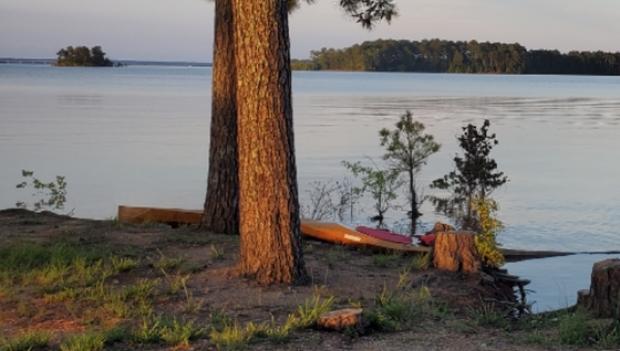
x=26, y=309
x=230, y=337
x=219, y=319
x=141, y=290
x=420, y=262
x=180, y=333
x=308, y=313
x=29, y=341
x=574, y=329
x=216, y=252
x=117, y=334
x=609, y=337
x=386, y=260
x=149, y=330
x=397, y=309
x=165, y=263
x=488, y=315
x=84, y=342
x=336, y=254
x=123, y=264
x=537, y=338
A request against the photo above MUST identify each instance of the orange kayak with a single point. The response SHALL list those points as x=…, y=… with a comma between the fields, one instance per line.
x=340, y=234
x=330, y=232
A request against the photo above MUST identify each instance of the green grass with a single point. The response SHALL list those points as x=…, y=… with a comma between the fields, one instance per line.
x=574, y=330
x=308, y=313
x=180, y=333
x=386, y=260
x=231, y=337
x=420, y=262
x=401, y=308
x=84, y=342
x=216, y=252
x=488, y=315
x=28, y=341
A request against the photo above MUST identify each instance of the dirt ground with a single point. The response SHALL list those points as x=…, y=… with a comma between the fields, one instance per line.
x=206, y=260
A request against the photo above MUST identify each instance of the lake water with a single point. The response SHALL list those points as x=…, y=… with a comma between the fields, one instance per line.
x=139, y=135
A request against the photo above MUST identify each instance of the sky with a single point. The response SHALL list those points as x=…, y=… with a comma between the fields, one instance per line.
x=183, y=29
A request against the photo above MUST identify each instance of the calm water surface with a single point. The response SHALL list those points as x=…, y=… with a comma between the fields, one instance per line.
x=139, y=135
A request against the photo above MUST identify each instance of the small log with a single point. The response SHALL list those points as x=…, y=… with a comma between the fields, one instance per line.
x=603, y=298
x=456, y=252
x=341, y=319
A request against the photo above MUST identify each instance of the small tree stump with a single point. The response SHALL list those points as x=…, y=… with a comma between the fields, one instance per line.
x=442, y=227
x=341, y=319
x=456, y=252
x=603, y=299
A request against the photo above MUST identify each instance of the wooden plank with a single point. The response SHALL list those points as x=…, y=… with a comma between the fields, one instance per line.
x=175, y=216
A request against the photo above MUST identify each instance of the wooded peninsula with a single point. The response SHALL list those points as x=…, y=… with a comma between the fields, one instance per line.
x=444, y=56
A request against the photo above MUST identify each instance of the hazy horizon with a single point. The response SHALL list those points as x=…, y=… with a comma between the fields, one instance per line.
x=160, y=30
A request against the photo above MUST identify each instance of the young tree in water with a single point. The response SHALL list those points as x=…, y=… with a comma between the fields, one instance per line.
x=408, y=149
x=382, y=185
x=474, y=178
x=221, y=207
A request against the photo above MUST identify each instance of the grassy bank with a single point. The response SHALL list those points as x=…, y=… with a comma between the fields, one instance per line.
x=70, y=284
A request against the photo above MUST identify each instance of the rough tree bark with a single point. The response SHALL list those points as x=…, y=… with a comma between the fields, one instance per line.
x=221, y=208
x=268, y=200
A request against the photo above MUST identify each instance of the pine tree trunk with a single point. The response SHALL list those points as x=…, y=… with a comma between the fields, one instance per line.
x=221, y=208
x=268, y=201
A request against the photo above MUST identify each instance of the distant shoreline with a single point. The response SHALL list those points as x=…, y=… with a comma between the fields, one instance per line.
x=37, y=61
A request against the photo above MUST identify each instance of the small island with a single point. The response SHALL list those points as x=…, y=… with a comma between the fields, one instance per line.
x=82, y=56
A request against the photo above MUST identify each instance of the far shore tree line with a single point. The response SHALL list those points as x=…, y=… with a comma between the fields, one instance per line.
x=444, y=56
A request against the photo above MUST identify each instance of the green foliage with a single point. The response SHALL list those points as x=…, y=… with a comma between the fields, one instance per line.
x=385, y=260
x=380, y=183
x=407, y=149
x=458, y=57
x=82, y=56
x=180, y=333
x=421, y=262
x=488, y=315
x=394, y=310
x=217, y=252
x=84, y=342
x=28, y=341
x=231, y=337
x=50, y=195
x=475, y=177
x=486, y=240
x=574, y=329
x=308, y=313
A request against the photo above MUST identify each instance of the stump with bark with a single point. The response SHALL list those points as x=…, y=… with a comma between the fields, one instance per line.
x=456, y=252
x=603, y=298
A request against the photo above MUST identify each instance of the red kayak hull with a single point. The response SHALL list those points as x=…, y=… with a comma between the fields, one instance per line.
x=385, y=235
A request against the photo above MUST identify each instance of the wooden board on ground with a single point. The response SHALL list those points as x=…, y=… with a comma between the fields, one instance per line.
x=174, y=216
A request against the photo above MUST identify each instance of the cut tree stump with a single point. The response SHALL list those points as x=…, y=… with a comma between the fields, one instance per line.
x=603, y=298
x=341, y=319
x=456, y=252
